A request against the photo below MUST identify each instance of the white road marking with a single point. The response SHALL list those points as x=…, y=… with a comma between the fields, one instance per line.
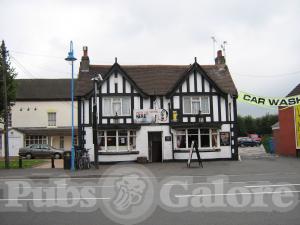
x=272, y=185
x=57, y=187
x=49, y=199
x=233, y=194
x=233, y=182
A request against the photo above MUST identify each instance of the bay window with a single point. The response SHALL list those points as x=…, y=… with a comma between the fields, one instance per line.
x=204, y=138
x=117, y=140
x=116, y=106
x=194, y=104
x=35, y=139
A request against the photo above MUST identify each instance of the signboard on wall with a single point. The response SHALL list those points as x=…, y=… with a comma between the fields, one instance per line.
x=150, y=116
x=224, y=138
x=297, y=126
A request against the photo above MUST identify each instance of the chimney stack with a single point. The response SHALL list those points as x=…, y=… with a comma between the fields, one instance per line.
x=220, y=59
x=85, y=61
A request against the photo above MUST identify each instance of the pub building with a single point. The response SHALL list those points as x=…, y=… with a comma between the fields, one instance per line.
x=156, y=111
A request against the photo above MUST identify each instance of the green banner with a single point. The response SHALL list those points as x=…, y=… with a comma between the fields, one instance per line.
x=268, y=101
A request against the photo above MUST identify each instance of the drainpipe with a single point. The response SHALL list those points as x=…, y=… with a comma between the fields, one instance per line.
x=172, y=135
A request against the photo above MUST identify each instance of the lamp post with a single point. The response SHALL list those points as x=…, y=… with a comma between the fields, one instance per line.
x=71, y=59
x=96, y=80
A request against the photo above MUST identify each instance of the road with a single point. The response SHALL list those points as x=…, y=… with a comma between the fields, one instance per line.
x=257, y=191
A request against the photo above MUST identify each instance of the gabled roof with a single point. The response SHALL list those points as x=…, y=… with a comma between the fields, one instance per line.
x=157, y=79
x=43, y=89
x=295, y=91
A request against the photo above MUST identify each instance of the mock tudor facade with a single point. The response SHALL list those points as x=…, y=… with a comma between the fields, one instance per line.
x=156, y=111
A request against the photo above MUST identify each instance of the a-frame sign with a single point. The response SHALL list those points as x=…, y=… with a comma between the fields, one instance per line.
x=194, y=147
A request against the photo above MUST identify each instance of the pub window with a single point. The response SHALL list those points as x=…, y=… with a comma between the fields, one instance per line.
x=51, y=118
x=204, y=138
x=181, y=138
x=117, y=140
x=116, y=106
x=194, y=104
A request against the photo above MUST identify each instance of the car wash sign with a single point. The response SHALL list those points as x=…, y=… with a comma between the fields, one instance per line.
x=267, y=101
x=150, y=116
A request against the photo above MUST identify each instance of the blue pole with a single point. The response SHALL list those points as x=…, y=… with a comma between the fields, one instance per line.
x=72, y=96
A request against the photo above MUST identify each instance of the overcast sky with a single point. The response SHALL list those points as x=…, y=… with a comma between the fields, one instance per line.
x=263, y=50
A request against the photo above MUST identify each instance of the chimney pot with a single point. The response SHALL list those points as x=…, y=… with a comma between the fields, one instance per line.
x=85, y=51
x=85, y=61
x=220, y=59
x=219, y=53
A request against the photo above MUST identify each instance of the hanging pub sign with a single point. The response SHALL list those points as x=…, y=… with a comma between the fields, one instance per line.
x=175, y=115
x=150, y=116
x=267, y=101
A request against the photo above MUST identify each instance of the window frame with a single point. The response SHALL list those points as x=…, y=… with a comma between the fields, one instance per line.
x=117, y=148
x=199, y=100
x=116, y=100
x=35, y=139
x=199, y=134
x=52, y=120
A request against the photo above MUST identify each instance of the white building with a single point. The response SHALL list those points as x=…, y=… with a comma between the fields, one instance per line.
x=41, y=114
x=156, y=111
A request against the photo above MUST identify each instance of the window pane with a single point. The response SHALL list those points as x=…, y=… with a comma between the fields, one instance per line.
x=106, y=107
x=180, y=141
x=101, y=133
x=122, y=133
x=192, y=138
x=51, y=119
x=126, y=106
x=111, y=133
x=133, y=132
x=187, y=105
x=214, y=140
x=204, y=104
x=111, y=141
x=180, y=132
x=132, y=143
x=195, y=107
x=204, y=140
x=116, y=108
x=204, y=131
x=122, y=141
x=192, y=131
x=101, y=141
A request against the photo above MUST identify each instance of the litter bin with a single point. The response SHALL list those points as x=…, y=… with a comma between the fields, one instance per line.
x=67, y=160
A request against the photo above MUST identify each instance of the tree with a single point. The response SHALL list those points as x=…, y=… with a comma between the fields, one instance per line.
x=241, y=126
x=261, y=125
x=10, y=74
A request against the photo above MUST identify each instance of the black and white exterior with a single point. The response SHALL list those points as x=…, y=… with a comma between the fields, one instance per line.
x=155, y=111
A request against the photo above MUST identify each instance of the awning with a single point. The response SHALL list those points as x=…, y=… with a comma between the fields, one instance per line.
x=57, y=131
x=196, y=125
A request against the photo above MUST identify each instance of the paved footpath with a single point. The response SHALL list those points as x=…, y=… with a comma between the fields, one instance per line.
x=254, y=153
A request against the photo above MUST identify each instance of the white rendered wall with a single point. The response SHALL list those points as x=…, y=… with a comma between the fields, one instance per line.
x=39, y=117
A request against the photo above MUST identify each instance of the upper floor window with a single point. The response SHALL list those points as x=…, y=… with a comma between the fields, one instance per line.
x=119, y=106
x=194, y=104
x=51, y=118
